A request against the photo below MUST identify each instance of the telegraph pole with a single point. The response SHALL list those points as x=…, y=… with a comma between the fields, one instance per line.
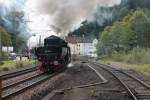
x=0, y=47
x=39, y=40
x=83, y=45
x=0, y=42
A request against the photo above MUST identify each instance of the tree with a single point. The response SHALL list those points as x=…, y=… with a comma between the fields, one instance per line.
x=124, y=35
x=87, y=28
x=140, y=24
x=5, y=37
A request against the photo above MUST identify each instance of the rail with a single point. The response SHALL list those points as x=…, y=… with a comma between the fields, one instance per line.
x=26, y=87
x=17, y=73
x=13, y=74
x=130, y=92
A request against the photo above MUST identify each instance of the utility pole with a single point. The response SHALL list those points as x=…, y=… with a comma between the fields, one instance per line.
x=39, y=40
x=0, y=42
x=83, y=45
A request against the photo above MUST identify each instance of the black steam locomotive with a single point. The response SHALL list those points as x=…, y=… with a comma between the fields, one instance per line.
x=54, y=55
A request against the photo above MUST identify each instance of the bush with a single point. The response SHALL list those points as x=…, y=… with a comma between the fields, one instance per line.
x=138, y=56
x=3, y=56
x=19, y=65
x=5, y=69
x=1, y=63
x=117, y=57
x=135, y=56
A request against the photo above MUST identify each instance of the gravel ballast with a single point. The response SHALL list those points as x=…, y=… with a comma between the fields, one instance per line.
x=73, y=76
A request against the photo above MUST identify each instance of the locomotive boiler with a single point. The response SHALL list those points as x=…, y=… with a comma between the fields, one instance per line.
x=54, y=55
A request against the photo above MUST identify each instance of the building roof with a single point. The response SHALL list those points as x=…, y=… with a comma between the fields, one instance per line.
x=74, y=40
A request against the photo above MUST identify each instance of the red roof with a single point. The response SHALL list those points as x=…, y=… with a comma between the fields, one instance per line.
x=73, y=40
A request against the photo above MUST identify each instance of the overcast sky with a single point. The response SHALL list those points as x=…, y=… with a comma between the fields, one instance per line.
x=64, y=15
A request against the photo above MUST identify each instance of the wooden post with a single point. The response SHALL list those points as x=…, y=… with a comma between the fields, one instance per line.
x=0, y=88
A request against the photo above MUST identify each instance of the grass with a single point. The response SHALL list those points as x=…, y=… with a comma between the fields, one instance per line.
x=8, y=65
x=135, y=56
x=144, y=68
x=137, y=59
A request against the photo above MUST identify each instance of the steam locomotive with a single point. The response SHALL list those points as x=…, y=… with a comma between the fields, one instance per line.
x=54, y=55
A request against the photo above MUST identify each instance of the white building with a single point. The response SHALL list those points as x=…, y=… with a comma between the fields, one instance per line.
x=73, y=43
x=83, y=46
x=7, y=49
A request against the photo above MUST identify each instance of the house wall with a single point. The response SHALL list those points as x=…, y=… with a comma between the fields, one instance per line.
x=73, y=48
x=84, y=49
x=87, y=49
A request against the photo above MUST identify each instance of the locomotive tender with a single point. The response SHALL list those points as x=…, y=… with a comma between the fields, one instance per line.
x=54, y=55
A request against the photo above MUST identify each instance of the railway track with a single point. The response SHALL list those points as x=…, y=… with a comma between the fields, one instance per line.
x=27, y=78
x=17, y=73
x=134, y=87
x=17, y=82
x=137, y=89
x=25, y=84
x=102, y=80
x=105, y=80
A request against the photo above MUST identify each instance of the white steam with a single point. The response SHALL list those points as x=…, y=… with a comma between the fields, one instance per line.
x=43, y=16
x=63, y=15
x=67, y=14
x=70, y=65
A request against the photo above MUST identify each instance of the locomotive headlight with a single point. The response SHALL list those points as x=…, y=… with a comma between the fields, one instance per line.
x=55, y=62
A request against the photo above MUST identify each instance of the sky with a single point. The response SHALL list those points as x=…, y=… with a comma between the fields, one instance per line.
x=64, y=14
x=56, y=17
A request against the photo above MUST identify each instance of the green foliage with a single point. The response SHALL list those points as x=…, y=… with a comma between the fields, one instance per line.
x=11, y=39
x=135, y=56
x=140, y=24
x=133, y=31
x=87, y=29
x=19, y=65
x=9, y=65
x=5, y=37
x=1, y=63
x=5, y=69
x=18, y=42
x=118, y=13
x=3, y=56
x=138, y=67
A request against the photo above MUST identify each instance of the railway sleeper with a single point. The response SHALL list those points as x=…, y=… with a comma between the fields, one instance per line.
x=110, y=96
x=143, y=96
